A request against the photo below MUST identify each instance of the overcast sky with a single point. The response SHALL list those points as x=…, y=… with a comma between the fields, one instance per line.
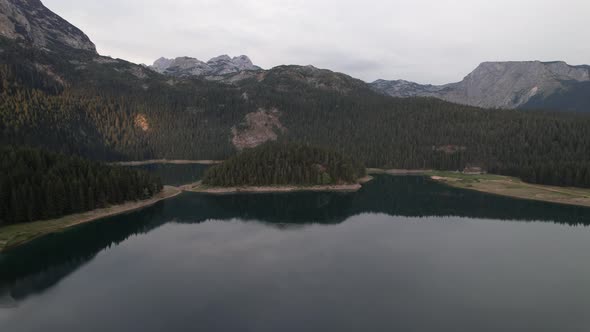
x=428, y=41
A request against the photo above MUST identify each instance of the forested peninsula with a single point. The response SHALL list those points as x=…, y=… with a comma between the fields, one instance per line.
x=283, y=167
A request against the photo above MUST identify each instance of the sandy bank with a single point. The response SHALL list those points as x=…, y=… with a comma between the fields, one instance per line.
x=200, y=188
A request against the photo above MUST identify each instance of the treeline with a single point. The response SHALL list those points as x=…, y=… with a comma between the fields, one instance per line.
x=107, y=111
x=36, y=185
x=284, y=164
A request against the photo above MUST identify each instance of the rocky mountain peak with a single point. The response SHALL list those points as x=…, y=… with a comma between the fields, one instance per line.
x=162, y=63
x=31, y=22
x=215, y=67
x=530, y=71
x=510, y=84
x=221, y=58
x=244, y=63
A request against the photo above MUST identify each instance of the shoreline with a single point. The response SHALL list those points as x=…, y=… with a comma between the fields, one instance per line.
x=15, y=235
x=18, y=234
x=397, y=171
x=352, y=187
x=165, y=161
x=514, y=188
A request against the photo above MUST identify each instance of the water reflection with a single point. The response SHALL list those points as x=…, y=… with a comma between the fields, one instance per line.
x=408, y=196
x=38, y=266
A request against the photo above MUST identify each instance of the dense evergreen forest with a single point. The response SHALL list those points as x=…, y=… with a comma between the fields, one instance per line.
x=105, y=109
x=36, y=185
x=285, y=164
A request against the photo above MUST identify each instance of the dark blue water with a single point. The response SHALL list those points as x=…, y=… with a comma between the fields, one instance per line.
x=403, y=254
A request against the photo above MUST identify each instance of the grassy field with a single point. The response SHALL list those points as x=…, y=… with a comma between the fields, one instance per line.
x=14, y=235
x=513, y=187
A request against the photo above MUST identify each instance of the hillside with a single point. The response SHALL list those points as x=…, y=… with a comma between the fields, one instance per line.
x=74, y=101
x=284, y=164
x=515, y=84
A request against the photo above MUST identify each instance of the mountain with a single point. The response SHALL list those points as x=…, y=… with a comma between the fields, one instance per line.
x=530, y=84
x=405, y=89
x=212, y=69
x=72, y=100
x=29, y=21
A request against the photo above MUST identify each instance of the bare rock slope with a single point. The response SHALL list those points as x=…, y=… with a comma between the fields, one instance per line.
x=216, y=67
x=497, y=84
x=31, y=22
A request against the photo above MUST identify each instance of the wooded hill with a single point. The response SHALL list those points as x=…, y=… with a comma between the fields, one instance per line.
x=36, y=185
x=75, y=102
x=284, y=164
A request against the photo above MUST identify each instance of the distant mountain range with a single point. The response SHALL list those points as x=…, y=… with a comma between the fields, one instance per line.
x=508, y=85
x=525, y=84
x=214, y=68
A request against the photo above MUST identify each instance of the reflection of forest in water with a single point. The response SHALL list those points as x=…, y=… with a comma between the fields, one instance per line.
x=408, y=196
x=35, y=267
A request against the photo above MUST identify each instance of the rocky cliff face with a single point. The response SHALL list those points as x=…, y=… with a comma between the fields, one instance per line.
x=497, y=84
x=31, y=22
x=216, y=67
x=404, y=89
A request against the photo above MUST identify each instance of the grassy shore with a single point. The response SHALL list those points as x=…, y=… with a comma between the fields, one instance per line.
x=14, y=235
x=513, y=187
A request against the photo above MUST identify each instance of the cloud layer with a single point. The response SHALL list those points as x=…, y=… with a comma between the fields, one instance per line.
x=428, y=41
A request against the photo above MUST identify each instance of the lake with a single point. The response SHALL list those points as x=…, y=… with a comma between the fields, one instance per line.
x=402, y=254
x=176, y=174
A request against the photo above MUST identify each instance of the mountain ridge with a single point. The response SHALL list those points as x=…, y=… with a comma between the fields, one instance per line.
x=31, y=22
x=192, y=67
x=506, y=84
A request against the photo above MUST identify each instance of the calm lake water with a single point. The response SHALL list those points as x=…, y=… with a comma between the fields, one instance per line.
x=403, y=254
x=176, y=175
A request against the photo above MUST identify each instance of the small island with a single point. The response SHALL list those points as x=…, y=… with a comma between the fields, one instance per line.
x=283, y=167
